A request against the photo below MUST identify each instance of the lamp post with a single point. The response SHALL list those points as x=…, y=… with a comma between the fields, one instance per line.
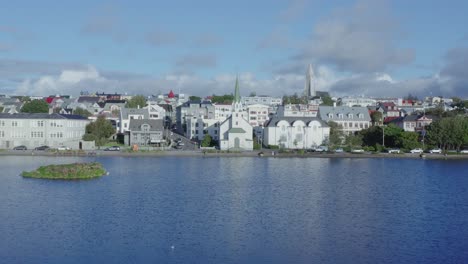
x=383, y=136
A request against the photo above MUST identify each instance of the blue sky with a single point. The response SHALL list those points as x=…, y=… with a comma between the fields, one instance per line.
x=374, y=48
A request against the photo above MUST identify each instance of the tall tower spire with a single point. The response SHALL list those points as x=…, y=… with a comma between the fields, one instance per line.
x=309, y=89
x=237, y=105
x=236, y=91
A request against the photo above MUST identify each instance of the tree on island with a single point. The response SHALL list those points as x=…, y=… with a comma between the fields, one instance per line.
x=99, y=131
x=35, y=106
x=137, y=101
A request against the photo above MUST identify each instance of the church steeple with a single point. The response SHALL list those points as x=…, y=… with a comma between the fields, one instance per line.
x=237, y=99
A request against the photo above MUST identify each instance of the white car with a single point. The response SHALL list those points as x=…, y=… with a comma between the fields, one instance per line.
x=63, y=148
x=357, y=151
x=437, y=150
x=417, y=150
x=397, y=151
x=465, y=151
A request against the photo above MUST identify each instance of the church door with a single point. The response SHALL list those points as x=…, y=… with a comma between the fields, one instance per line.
x=236, y=143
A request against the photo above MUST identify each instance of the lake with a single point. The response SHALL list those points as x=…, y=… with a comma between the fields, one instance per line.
x=237, y=210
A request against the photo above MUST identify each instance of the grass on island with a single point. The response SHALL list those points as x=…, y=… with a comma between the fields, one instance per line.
x=73, y=171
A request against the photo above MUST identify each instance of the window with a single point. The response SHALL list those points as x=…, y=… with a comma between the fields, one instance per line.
x=14, y=123
x=350, y=116
x=196, y=124
x=2, y=123
x=216, y=132
x=2, y=133
x=330, y=115
x=340, y=116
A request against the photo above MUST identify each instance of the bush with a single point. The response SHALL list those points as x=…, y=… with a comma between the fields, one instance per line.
x=273, y=146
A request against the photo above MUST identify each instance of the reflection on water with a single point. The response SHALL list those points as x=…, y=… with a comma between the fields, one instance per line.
x=237, y=210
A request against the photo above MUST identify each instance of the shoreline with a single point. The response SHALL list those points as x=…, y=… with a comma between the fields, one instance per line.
x=266, y=154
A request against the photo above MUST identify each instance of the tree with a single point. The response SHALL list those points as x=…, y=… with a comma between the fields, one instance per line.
x=327, y=101
x=206, y=142
x=252, y=94
x=222, y=99
x=82, y=112
x=99, y=131
x=137, y=101
x=194, y=98
x=336, y=135
x=353, y=140
x=35, y=106
x=448, y=132
x=376, y=118
x=411, y=97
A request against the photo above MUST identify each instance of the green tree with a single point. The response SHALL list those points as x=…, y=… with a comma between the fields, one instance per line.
x=1, y=109
x=252, y=94
x=222, y=99
x=207, y=140
x=35, y=106
x=408, y=140
x=372, y=136
x=194, y=98
x=336, y=135
x=376, y=118
x=327, y=101
x=99, y=131
x=82, y=112
x=448, y=132
x=137, y=101
x=353, y=140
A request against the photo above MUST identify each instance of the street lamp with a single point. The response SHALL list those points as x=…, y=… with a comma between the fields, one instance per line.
x=383, y=136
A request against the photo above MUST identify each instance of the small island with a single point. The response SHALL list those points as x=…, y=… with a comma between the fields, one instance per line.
x=75, y=171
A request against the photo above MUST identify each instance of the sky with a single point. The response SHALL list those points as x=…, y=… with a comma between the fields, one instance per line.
x=372, y=48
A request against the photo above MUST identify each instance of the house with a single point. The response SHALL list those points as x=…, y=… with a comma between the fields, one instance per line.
x=198, y=127
x=127, y=114
x=145, y=132
x=235, y=132
x=414, y=122
x=191, y=109
x=350, y=119
x=296, y=132
x=33, y=130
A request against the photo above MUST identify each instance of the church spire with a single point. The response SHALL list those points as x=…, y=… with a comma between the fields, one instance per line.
x=236, y=91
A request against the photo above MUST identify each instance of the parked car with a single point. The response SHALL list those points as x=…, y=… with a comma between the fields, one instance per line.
x=180, y=143
x=357, y=151
x=339, y=150
x=178, y=140
x=416, y=150
x=22, y=147
x=63, y=148
x=321, y=149
x=464, y=151
x=42, y=148
x=394, y=151
x=112, y=148
x=437, y=150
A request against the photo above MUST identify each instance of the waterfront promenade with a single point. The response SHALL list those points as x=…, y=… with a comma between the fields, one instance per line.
x=257, y=153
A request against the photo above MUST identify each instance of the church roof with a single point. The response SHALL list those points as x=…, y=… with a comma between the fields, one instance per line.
x=236, y=130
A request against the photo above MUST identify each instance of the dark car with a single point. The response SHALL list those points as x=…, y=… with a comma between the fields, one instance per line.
x=42, y=148
x=20, y=148
x=113, y=148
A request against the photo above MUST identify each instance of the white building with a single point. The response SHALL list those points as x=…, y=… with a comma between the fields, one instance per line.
x=298, y=110
x=222, y=111
x=350, y=119
x=235, y=132
x=197, y=128
x=33, y=130
x=265, y=100
x=257, y=115
x=296, y=132
x=357, y=101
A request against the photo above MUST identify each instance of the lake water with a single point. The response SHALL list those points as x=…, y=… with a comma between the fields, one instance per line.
x=237, y=210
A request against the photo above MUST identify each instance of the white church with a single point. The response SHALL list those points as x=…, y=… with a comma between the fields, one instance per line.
x=235, y=133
